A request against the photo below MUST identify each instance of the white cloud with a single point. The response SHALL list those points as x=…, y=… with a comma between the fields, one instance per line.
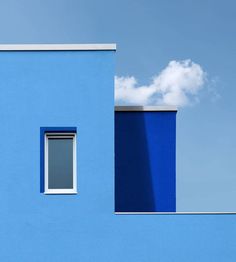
x=178, y=84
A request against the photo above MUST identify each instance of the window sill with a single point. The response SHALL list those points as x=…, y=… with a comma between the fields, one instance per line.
x=60, y=192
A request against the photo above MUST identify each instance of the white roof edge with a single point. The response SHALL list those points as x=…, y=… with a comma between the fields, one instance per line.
x=178, y=213
x=56, y=47
x=146, y=108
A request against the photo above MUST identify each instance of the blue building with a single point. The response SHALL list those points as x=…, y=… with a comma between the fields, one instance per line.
x=57, y=169
x=145, y=169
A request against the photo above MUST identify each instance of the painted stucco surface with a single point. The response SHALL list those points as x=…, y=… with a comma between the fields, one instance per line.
x=145, y=161
x=39, y=89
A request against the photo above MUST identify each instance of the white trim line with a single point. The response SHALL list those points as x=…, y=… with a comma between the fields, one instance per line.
x=145, y=108
x=60, y=192
x=57, y=47
x=174, y=213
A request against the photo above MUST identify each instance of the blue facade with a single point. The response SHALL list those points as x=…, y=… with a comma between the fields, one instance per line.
x=145, y=179
x=75, y=89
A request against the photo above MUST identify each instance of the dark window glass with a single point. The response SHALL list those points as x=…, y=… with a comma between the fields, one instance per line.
x=60, y=163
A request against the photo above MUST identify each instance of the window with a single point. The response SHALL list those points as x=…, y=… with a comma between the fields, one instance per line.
x=60, y=163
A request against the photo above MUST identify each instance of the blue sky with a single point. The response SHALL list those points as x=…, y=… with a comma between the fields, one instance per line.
x=149, y=35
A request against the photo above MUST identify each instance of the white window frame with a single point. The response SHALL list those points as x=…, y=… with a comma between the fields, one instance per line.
x=61, y=190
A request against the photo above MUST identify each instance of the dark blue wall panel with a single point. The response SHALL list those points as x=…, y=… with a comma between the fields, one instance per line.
x=145, y=170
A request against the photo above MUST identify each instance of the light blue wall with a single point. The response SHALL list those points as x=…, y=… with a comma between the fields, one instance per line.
x=76, y=89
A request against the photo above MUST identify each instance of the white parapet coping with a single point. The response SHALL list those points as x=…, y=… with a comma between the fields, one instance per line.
x=177, y=213
x=57, y=47
x=145, y=108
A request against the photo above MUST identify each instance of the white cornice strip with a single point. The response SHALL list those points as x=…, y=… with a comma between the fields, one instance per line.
x=145, y=108
x=57, y=47
x=176, y=213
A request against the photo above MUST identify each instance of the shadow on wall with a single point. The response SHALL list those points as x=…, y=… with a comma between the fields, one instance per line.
x=145, y=179
x=133, y=179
